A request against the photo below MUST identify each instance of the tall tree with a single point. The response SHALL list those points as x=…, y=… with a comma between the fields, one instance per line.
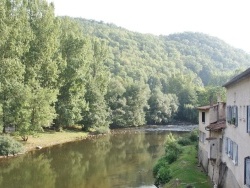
x=163, y=107
x=98, y=113
x=42, y=62
x=75, y=50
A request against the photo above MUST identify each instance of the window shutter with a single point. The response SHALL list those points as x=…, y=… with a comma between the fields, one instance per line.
x=236, y=157
x=226, y=145
x=248, y=119
x=236, y=115
x=247, y=171
x=231, y=149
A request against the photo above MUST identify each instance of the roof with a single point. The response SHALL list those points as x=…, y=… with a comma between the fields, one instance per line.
x=218, y=125
x=238, y=78
x=206, y=107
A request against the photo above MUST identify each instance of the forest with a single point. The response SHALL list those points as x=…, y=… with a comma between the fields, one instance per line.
x=62, y=72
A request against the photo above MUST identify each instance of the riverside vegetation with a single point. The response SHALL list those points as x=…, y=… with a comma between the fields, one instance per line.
x=178, y=166
x=60, y=72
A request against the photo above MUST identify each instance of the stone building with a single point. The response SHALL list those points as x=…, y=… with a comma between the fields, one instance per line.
x=225, y=134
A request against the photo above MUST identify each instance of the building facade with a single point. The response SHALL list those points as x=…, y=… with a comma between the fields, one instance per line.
x=223, y=147
x=237, y=134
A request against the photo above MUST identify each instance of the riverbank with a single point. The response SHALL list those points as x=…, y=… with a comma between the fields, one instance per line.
x=47, y=139
x=186, y=171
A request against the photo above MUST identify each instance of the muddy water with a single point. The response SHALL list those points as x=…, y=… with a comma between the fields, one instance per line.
x=123, y=159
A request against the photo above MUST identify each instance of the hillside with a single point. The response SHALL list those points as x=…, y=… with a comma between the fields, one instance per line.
x=66, y=72
x=208, y=58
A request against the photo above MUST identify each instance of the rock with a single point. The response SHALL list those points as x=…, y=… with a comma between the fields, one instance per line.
x=39, y=147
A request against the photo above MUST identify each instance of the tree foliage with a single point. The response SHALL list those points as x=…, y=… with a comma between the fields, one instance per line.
x=60, y=71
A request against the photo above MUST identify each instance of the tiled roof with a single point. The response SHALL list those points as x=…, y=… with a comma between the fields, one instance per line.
x=238, y=78
x=206, y=107
x=216, y=126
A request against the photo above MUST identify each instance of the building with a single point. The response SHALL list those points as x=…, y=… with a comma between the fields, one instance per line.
x=223, y=146
x=236, y=136
x=211, y=125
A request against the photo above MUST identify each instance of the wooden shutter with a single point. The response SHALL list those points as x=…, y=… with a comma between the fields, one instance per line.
x=231, y=149
x=236, y=157
x=247, y=171
x=236, y=115
x=226, y=145
x=229, y=114
x=248, y=119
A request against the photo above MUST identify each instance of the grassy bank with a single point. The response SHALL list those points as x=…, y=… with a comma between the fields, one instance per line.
x=186, y=173
x=47, y=139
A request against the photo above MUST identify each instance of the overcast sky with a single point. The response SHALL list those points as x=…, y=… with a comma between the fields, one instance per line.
x=228, y=20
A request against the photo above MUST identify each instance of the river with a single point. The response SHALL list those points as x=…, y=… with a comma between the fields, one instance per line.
x=123, y=159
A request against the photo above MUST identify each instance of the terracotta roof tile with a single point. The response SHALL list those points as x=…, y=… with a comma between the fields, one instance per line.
x=216, y=126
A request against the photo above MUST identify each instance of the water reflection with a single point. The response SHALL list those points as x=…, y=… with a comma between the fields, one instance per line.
x=120, y=160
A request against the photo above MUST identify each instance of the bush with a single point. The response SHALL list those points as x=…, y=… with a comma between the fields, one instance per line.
x=194, y=136
x=161, y=162
x=9, y=146
x=102, y=130
x=163, y=176
x=184, y=141
x=161, y=172
x=172, y=151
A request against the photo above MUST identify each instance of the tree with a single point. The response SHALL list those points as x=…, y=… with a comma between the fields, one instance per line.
x=97, y=114
x=162, y=107
x=75, y=50
x=137, y=95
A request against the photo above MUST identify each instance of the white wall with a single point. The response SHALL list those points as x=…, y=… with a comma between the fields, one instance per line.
x=238, y=94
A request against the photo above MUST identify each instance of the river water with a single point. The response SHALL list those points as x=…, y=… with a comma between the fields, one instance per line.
x=119, y=160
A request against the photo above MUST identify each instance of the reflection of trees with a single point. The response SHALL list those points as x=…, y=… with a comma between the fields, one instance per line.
x=122, y=160
x=28, y=172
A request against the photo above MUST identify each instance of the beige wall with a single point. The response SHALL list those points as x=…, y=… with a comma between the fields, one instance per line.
x=238, y=94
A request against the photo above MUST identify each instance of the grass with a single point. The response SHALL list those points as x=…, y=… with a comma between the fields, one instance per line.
x=185, y=171
x=47, y=139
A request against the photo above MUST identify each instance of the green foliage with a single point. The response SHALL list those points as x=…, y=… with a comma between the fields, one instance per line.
x=102, y=130
x=172, y=151
x=64, y=71
x=161, y=172
x=8, y=146
x=194, y=135
x=184, y=141
x=162, y=107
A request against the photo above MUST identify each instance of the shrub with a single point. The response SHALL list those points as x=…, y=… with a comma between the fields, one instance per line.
x=184, y=141
x=161, y=162
x=194, y=136
x=9, y=146
x=163, y=176
x=172, y=151
x=102, y=130
x=161, y=172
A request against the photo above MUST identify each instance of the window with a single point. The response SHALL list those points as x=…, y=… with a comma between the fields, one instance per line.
x=235, y=153
x=232, y=115
x=247, y=171
x=234, y=120
x=248, y=119
x=231, y=149
x=220, y=149
x=202, y=137
x=203, y=117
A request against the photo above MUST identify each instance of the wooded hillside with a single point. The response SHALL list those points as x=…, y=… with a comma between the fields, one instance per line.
x=63, y=71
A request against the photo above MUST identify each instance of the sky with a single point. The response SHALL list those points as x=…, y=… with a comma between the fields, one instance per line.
x=228, y=20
